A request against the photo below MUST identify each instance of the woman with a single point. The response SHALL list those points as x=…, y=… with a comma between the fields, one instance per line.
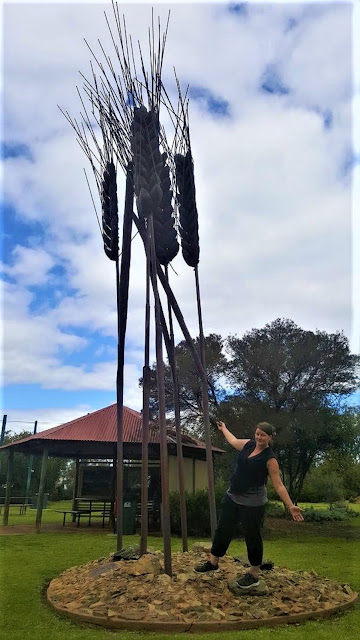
x=246, y=498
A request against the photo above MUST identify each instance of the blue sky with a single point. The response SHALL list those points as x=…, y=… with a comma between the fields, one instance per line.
x=271, y=121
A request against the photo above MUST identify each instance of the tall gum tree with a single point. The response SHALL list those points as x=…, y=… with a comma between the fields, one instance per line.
x=296, y=379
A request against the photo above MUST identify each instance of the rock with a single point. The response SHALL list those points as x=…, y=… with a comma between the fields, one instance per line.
x=103, y=568
x=128, y=553
x=164, y=579
x=121, y=590
x=201, y=547
x=296, y=609
x=242, y=559
x=112, y=613
x=182, y=578
x=260, y=590
x=347, y=589
x=71, y=606
x=99, y=603
x=146, y=564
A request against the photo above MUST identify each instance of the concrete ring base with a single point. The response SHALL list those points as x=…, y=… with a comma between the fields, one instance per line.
x=118, y=623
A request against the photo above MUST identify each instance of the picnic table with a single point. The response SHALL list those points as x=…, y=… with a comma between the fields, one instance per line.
x=90, y=508
x=17, y=501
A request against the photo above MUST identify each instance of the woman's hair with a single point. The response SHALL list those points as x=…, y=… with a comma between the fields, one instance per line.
x=268, y=428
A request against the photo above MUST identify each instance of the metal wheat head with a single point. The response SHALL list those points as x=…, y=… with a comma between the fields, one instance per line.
x=110, y=217
x=152, y=183
x=188, y=215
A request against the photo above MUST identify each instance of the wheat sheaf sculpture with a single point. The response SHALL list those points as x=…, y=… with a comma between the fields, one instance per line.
x=123, y=99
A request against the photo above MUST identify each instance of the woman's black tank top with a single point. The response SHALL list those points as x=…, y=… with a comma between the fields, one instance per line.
x=250, y=472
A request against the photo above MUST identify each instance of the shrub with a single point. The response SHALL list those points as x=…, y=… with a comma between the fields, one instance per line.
x=329, y=515
x=273, y=510
x=197, y=510
x=322, y=487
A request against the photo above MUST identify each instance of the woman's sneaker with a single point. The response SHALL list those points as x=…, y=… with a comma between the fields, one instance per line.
x=247, y=581
x=207, y=566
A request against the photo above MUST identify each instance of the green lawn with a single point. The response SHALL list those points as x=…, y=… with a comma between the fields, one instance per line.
x=51, y=517
x=30, y=561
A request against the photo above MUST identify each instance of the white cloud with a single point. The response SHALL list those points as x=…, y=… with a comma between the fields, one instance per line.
x=30, y=266
x=274, y=211
x=24, y=419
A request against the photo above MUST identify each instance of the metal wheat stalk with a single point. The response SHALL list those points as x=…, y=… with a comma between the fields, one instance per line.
x=122, y=305
x=189, y=232
x=153, y=199
x=145, y=413
x=164, y=471
x=180, y=460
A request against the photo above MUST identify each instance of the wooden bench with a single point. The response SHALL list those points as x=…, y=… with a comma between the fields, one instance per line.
x=22, y=506
x=65, y=514
x=89, y=508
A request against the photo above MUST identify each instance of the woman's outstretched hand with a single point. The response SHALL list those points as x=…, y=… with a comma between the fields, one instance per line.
x=220, y=425
x=296, y=513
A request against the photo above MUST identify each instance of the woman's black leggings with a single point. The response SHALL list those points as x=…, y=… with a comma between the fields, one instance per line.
x=251, y=518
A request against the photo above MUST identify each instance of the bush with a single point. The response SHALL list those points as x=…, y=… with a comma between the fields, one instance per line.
x=329, y=515
x=273, y=510
x=197, y=510
x=322, y=487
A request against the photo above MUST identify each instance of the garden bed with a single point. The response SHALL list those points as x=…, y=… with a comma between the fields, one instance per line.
x=137, y=594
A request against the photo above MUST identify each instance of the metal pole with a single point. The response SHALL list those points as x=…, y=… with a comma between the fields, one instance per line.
x=175, y=307
x=122, y=288
x=40, y=498
x=3, y=430
x=198, y=364
x=162, y=420
x=179, y=449
x=145, y=412
x=2, y=438
x=8, y=486
x=30, y=464
x=205, y=399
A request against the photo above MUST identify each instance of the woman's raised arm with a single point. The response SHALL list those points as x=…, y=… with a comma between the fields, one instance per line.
x=237, y=443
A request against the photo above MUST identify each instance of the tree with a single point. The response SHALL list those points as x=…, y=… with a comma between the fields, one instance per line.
x=294, y=378
x=323, y=485
x=190, y=383
x=287, y=367
x=56, y=467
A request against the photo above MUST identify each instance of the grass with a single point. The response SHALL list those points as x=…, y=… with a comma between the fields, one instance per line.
x=51, y=517
x=31, y=560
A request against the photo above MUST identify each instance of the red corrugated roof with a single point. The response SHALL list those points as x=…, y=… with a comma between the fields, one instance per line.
x=101, y=426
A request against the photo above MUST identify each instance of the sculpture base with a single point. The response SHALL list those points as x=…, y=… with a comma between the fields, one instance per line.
x=137, y=595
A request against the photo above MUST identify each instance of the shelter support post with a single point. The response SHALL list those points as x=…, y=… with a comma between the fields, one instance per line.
x=30, y=464
x=76, y=488
x=8, y=486
x=41, y=490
